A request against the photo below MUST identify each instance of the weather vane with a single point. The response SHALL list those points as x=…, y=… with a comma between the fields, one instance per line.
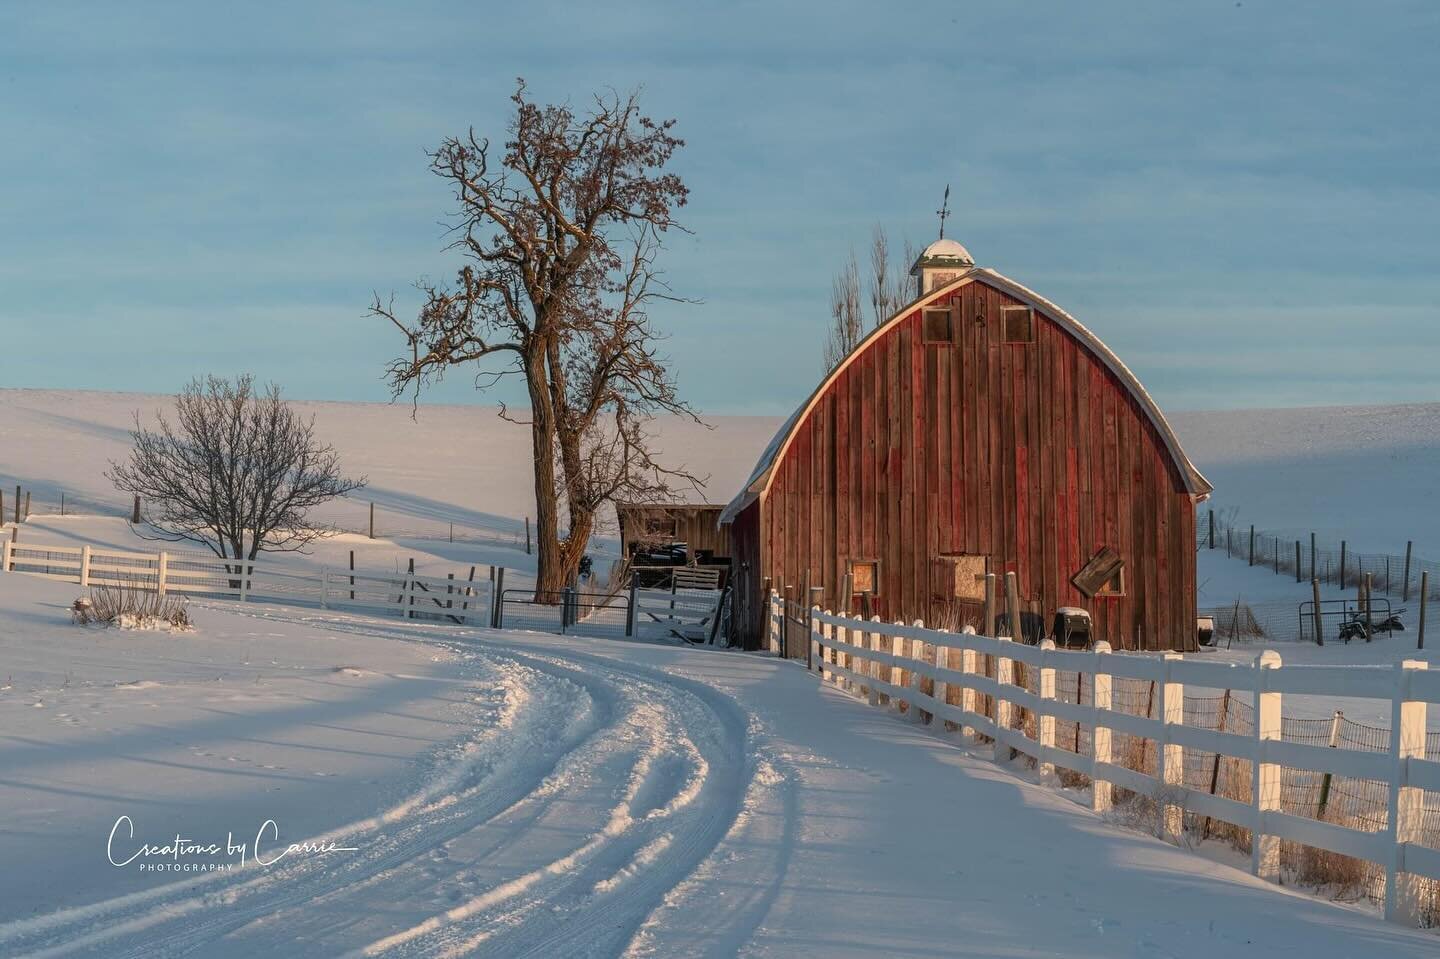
x=944, y=211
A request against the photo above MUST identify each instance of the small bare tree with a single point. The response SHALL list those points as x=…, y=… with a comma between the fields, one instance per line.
x=239, y=471
x=560, y=231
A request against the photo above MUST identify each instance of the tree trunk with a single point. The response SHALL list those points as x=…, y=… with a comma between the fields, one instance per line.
x=549, y=561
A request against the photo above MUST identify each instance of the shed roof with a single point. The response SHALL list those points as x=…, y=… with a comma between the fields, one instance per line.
x=760, y=478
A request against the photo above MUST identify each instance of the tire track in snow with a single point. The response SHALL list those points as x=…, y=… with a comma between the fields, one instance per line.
x=672, y=753
x=513, y=757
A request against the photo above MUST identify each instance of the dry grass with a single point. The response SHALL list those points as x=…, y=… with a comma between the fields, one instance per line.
x=131, y=608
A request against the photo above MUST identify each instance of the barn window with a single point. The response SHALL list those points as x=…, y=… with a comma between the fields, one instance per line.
x=965, y=574
x=865, y=576
x=935, y=325
x=1104, y=575
x=660, y=526
x=938, y=280
x=1018, y=323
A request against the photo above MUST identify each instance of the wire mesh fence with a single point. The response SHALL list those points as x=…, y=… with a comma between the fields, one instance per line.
x=1306, y=557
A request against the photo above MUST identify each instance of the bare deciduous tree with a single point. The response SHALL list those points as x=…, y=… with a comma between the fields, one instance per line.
x=847, y=315
x=560, y=231
x=239, y=471
x=885, y=288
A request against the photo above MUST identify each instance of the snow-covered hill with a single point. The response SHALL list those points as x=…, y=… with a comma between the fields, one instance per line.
x=1364, y=473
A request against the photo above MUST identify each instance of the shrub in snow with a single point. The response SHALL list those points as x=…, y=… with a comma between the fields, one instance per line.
x=131, y=608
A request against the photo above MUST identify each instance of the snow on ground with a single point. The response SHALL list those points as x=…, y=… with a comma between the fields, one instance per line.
x=602, y=798
x=512, y=794
x=242, y=720
x=460, y=464
x=1366, y=474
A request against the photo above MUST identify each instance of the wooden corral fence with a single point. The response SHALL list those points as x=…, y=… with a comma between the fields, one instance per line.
x=202, y=575
x=937, y=677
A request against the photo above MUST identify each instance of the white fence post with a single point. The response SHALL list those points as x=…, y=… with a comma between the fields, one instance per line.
x=917, y=653
x=942, y=688
x=1170, y=756
x=1405, y=823
x=1004, y=676
x=1044, y=718
x=164, y=572
x=1265, y=776
x=85, y=565
x=1101, y=793
x=872, y=642
x=897, y=675
x=968, y=665
x=816, y=650
x=245, y=570
x=827, y=650
x=7, y=561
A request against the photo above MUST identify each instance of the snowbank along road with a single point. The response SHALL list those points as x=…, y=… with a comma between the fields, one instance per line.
x=622, y=799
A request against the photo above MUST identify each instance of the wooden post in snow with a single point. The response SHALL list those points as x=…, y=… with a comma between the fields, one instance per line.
x=352, y=574
x=527, y=536
x=1297, y=561
x=1424, y=596
x=17, y=505
x=372, y=520
x=135, y=511
x=1252, y=544
x=1212, y=527
x=27, y=505
x=1405, y=593
x=1319, y=622
x=1342, y=564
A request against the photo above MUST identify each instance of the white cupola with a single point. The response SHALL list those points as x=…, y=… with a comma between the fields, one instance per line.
x=942, y=261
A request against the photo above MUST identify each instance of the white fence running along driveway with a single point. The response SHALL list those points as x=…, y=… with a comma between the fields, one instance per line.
x=899, y=663
x=204, y=575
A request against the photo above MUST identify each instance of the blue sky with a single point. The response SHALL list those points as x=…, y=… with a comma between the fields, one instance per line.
x=1240, y=198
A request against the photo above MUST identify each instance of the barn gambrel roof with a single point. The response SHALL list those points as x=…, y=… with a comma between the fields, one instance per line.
x=760, y=478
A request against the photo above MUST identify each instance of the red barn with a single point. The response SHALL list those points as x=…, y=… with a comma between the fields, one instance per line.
x=980, y=429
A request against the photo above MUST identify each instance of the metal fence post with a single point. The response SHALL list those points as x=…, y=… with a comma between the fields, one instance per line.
x=497, y=599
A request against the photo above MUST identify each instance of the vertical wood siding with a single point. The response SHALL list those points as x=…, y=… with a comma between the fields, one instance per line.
x=1034, y=455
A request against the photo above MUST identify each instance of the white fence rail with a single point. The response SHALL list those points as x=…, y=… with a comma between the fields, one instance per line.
x=898, y=663
x=199, y=575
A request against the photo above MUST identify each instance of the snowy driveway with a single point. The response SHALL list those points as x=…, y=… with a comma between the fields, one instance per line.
x=628, y=799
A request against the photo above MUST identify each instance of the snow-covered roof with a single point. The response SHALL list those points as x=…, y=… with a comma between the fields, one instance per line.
x=759, y=480
x=947, y=249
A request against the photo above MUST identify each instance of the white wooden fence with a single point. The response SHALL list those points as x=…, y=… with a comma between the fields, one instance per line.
x=202, y=575
x=872, y=659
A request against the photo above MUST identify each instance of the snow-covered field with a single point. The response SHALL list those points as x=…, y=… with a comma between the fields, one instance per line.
x=503, y=794
x=522, y=795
